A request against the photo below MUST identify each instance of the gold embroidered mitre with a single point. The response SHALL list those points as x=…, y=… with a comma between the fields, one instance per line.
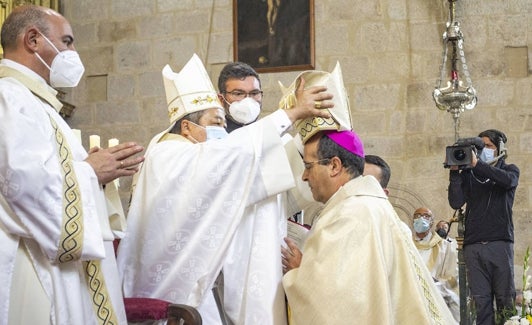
x=340, y=114
x=190, y=90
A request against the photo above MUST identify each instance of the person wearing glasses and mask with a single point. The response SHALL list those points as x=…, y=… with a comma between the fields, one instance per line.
x=487, y=188
x=55, y=234
x=440, y=257
x=191, y=194
x=358, y=265
x=240, y=93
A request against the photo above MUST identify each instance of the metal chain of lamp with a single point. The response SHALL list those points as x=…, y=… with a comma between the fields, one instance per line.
x=454, y=97
x=457, y=94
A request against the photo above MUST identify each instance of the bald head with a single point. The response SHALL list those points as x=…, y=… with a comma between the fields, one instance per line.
x=34, y=35
x=422, y=211
x=423, y=221
x=22, y=18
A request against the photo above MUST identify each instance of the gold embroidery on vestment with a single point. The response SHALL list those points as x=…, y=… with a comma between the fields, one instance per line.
x=71, y=240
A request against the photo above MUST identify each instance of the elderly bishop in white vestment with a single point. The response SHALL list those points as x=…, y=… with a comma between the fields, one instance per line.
x=189, y=200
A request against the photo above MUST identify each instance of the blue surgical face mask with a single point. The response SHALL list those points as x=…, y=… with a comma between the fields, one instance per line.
x=215, y=132
x=212, y=131
x=421, y=225
x=487, y=154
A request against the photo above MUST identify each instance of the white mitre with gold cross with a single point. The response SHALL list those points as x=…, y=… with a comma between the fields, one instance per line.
x=190, y=90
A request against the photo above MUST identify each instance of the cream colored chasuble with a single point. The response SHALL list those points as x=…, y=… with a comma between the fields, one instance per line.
x=360, y=267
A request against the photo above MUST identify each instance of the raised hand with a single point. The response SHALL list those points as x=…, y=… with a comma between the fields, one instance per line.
x=310, y=102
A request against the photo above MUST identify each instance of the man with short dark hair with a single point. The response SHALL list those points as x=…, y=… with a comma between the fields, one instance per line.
x=358, y=267
x=488, y=188
x=239, y=91
x=378, y=168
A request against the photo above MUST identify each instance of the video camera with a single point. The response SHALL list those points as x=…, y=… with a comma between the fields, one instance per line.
x=461, y=153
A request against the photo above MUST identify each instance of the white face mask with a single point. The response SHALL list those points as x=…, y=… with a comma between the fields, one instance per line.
x=487, y=154
x=66, y=69
x=244, y=111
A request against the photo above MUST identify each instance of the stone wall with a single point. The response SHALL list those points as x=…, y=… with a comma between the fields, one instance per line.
x=390, y=52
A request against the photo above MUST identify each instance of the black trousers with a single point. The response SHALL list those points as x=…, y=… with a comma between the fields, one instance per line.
x=490, y=274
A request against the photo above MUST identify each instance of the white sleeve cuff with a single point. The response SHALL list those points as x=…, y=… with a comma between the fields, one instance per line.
x=281, y=121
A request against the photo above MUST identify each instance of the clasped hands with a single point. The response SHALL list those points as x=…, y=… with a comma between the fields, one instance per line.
x=114, y=162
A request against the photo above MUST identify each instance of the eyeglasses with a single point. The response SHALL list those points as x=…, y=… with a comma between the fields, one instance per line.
x=239, y=94
x=308, y=165
x=424, y=215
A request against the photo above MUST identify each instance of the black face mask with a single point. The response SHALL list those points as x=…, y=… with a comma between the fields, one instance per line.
x=442, y=233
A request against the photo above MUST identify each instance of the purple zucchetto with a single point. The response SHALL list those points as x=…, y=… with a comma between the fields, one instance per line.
x=348, y=140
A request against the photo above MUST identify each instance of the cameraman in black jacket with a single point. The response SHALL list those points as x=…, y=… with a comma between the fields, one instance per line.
x=488, y=188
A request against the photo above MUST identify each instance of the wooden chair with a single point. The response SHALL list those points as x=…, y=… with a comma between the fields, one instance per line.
x=145, y=309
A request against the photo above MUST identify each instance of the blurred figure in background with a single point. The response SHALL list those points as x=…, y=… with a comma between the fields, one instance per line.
x=440, y=256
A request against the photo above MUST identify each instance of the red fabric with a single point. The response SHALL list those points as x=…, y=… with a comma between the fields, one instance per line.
x=141, y=309
x=115, y=244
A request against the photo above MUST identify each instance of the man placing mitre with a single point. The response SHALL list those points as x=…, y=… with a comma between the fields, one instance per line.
x=194, y=186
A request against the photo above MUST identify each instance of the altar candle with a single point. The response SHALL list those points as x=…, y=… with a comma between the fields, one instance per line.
x=77, y=133
x=113, y=142
x=94, y=141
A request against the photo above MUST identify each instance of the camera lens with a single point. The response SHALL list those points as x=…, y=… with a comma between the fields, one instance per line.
x=459, y=154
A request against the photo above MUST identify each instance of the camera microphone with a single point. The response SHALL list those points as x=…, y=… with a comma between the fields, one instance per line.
x=475, y=141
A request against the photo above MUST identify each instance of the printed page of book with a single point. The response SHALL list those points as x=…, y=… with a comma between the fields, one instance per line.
x=297, y=233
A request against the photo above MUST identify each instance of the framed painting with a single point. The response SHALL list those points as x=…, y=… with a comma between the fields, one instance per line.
x=274, y=35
